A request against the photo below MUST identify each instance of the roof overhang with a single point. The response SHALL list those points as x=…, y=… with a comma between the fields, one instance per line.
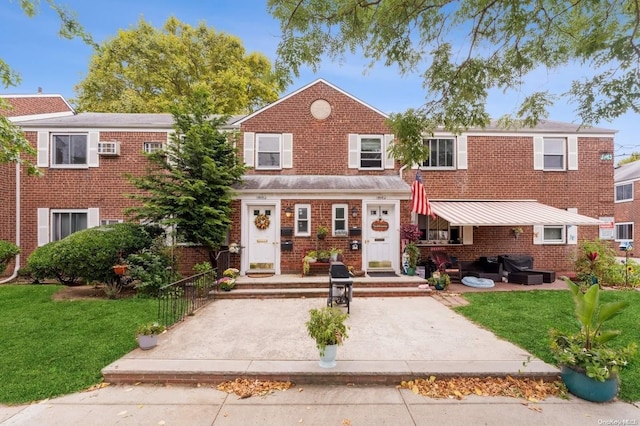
x=507, y=213
x=279, y=184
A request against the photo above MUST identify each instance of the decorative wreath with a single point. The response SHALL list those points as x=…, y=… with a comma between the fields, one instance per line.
x=262, y=221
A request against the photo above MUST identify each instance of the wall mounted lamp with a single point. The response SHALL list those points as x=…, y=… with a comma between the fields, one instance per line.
x=287, y=211
x=354, y=211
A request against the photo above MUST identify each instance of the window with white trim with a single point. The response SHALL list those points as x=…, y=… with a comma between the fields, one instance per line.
x=110, y=221
x=151, y=147
x=624, y=231
x=303, y=220
x=554, y=153
x=69, y=149
x=65, y=223
x=268, y=151
x=624, y=192
x=339, y=220
x=554, y=234
x=371, y=154
x=441, y=152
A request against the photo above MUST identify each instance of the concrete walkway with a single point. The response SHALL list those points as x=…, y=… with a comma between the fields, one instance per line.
x=412, y=336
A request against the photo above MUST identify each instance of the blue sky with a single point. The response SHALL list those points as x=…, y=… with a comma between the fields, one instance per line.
x=33, y=48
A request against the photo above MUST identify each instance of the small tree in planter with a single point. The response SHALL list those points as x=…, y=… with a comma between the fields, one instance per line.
x=413, y=254
x=327, y=327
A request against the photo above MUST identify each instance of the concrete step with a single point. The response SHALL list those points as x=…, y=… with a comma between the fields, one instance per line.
x=285, y=293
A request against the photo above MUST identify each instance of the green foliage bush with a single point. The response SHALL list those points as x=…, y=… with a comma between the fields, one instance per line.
x=151, y=270
x=603, y=267
x=7, y=252
x=89, y=255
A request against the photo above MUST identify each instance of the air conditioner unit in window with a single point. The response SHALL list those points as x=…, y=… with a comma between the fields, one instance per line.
x=109, y=148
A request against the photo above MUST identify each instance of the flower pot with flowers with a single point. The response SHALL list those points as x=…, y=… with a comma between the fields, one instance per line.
x=147, y=334
x=228, y=280
x=439, y=280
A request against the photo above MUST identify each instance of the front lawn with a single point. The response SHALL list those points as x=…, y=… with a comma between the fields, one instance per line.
x=50, y=348
x=525, y=318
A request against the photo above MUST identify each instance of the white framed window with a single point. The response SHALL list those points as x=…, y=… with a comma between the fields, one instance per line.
x=151, y=147
x=65, y=223
x=554, y=234
x=441, y=152
x=268, y=151
x=69, y=150
x=339, y=220
x=624, y=192
x=371, y=151
x=303, y=220
x=110, y=221
x=624, y=231
x=554, y=153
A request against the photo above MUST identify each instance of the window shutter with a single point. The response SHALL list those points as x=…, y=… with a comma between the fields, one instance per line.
x=43, y=149
x=287, y=150
x=572, y=230
x=572, y=153
x=249, y=149
x=94, y=138
x=538, y=153
x=389, y=162
x=538, y=234
x=43, y=226
x=353, y=151
x=462, y=152
x=93, y=217
x=467, y=235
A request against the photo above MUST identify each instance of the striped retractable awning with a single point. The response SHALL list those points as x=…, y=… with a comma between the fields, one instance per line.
x=507, y=213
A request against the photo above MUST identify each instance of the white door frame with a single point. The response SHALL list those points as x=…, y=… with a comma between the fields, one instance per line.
x=246, y=223
x=394, y=225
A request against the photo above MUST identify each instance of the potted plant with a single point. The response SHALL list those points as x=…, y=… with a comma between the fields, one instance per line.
x=326, y=326
x=228, y=280
x=516, y=232
x=413, y=254
x=410, y=232
x=335, y=252
x=322, y=232
x=147, y=334
x=589, y=365
x=324, y=256
x=440, y=281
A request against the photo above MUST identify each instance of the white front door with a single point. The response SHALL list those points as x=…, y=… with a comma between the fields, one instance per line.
x=262, y=236
x=380, y=240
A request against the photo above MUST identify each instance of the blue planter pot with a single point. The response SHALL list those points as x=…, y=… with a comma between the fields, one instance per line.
x=589, y=389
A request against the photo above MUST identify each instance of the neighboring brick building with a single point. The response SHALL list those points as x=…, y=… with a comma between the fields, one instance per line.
x=627, y=203
x=318, y=158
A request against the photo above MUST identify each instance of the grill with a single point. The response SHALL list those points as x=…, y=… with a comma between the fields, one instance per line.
x=340, y=285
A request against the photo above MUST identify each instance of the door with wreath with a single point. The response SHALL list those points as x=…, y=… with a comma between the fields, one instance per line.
x=379, y=233
x=262, y=237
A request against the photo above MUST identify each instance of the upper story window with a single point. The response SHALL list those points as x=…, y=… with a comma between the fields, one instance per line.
x=69, y=149
x=151, y=147
x=624, y=192
x=624, y=231
x=371, y=148
x=554, y=153
x=441, y=152
x=303, y=220
x=66, y=223
x=340, y=219
x=268, y=151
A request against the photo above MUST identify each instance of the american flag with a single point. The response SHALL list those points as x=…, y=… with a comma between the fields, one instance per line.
x=419, y=201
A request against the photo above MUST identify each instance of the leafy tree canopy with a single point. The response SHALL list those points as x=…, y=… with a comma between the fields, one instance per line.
x=144, y=69
x=635, y=156
x=464, y=49
x=12, y=140
x=188, y=185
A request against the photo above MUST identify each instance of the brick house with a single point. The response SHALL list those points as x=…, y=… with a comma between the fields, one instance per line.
x=627, y=202
x=318, y=157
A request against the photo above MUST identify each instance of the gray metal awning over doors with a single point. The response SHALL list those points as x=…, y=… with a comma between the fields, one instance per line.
x=507, y=213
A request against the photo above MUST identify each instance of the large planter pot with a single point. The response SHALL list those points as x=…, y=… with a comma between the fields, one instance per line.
x=583, y=386
x=328, y=360
x=411, y=271
x=147, y=341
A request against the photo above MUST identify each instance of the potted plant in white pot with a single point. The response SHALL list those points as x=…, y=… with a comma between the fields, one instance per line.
x=327, y=327
x=589, y=364
x=148, y=334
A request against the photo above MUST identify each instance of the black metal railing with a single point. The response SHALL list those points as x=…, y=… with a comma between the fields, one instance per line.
x=184, y=297
x=222, y=262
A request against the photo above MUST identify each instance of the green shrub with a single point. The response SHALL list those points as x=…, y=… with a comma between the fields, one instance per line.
x=89, y=255
x=151, y=270
x=7, y=252
x=603, y=266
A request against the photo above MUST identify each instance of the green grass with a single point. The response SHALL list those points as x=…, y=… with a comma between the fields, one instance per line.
x=49, y=348
x=525, y=318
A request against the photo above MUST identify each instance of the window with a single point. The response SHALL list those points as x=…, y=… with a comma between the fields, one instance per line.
x=303, y=220
x=110, y=221
x=371, y=152
x=69, y=149
x=268, y=147
x=553, y=234
x=151, y=147
x=554, y=149
x=624, y=231
x=624, y=192
x=438, y=230
x=441, y=152
x=340, y=220
x=66, y=223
